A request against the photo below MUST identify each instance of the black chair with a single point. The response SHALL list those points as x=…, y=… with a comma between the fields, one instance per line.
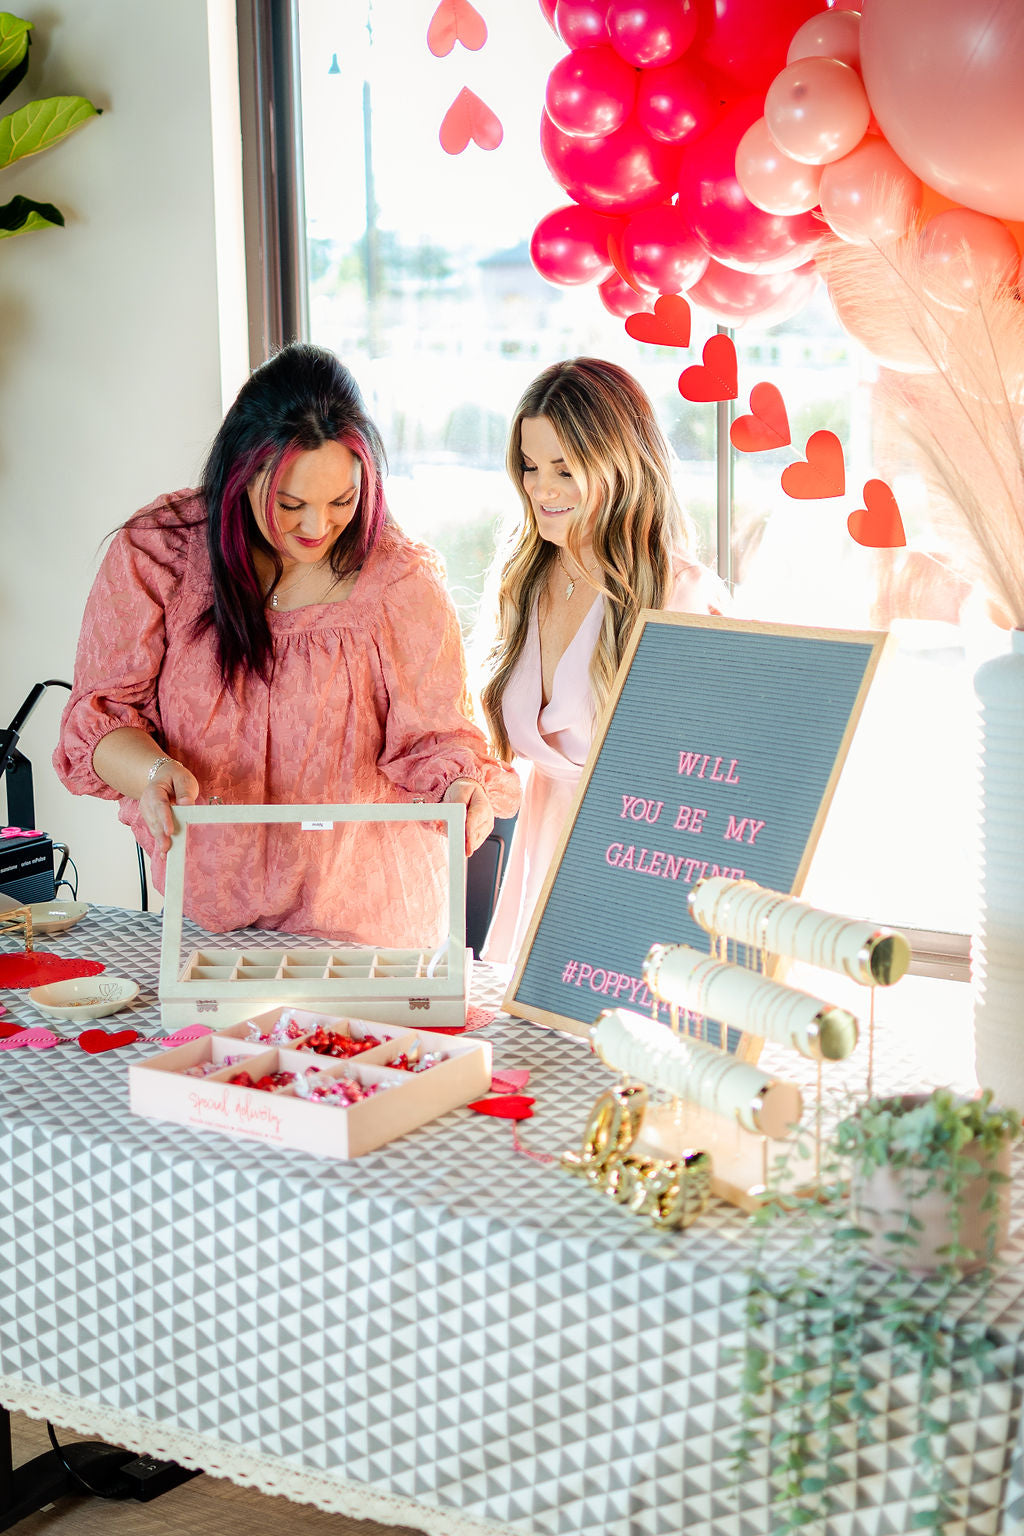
x=483, y=882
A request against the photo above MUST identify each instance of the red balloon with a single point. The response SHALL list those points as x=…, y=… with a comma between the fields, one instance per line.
x=590, y=92
x=727, y=223
x=659, y=250
x=570, y=245
x=736, y=298
x=581, y=23
x=620, y=299
x=748, y=40
x=617, y=174
x=675, y=103
x=652, y=32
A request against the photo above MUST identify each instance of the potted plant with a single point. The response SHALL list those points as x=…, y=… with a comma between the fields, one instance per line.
x=880, y=1271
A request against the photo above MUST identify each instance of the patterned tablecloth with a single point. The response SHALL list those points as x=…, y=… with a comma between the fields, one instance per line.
x=446, y=1333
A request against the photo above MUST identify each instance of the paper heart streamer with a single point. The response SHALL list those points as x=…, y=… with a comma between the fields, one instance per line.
x=669, y=326
x=766, y=427
x=34, y=1039
x=33, y=968
x=183, y=1036
x=469, y=118
x=510, y=1081
x=716, y=378
x=511, y=1106
x=455, y=21
x=822, y=474
x=96, y=1041
x=877, y=524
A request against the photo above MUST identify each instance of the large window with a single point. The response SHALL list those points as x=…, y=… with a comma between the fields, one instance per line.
x=420, y=278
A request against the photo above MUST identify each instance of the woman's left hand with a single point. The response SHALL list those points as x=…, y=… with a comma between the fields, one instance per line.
x=479, y=812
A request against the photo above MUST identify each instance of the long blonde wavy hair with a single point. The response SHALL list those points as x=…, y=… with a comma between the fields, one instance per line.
x=618, y=457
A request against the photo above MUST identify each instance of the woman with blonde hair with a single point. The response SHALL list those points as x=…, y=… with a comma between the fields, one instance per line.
x=603, y=536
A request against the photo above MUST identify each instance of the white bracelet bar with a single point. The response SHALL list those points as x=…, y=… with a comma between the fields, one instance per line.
x=781, y=925
x=745, y=1000
x=154, y=768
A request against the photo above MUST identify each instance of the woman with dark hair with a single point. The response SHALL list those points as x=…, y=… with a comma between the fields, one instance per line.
x=273, y=638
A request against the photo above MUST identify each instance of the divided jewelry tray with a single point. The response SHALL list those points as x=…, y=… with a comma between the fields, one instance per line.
x=161, y=1090
x=411, y=986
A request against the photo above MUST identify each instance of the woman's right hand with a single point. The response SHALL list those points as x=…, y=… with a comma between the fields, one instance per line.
x=172, y=784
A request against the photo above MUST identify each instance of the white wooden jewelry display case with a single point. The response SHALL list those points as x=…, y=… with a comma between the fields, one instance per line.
x=160, y=1090
x=388, y=985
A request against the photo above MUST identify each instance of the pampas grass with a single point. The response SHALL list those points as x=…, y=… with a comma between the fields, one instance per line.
x=963, y=407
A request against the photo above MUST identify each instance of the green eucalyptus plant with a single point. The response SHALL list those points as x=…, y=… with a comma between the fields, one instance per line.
x=36, y=126
x=828, y=1326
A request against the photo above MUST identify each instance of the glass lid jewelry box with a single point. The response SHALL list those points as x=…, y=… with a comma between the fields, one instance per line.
x=221, y=985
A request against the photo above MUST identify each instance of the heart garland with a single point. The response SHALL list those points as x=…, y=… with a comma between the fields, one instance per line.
x=183, y=1036
x=469, y=118
x=33, y=1039
x=511, y=1080
x=878, y=524
x=717, y=377
x=510, y=1106
x=668, y=326
x=96, y=1041
x=455, y=21
x=766, y=427
x=819, y=476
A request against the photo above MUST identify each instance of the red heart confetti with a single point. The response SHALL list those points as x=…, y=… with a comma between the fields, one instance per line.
x=766, y=427
x=717, y=378
x=7, y=1030
x=822, y=474
x=512, y=1106
x=96, y=1041
x=455, y=21
x=469, y=118
x=669, y=326
x=878, y=524
x=35, y=967
x=510, y=1081
x=35, y=1039
x=183, y=1036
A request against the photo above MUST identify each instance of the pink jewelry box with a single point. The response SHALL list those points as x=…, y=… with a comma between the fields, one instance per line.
x=160, y=1090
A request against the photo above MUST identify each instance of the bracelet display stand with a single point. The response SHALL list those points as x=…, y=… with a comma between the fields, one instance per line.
x=725, y=1106
x=223, y=986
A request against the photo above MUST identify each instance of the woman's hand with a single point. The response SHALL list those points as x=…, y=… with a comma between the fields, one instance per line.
x=172, y=784
x=479, y=812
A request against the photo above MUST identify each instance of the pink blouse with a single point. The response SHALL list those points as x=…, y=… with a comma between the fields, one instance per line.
x=552, y=741
x=368, y=703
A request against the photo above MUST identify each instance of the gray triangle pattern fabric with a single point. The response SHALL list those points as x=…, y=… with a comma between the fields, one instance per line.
x=446, y=1320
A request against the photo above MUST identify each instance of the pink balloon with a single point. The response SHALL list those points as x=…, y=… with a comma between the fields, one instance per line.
x=548, y=7
x=570, y=246
x=772, y=181
x=727, y=223
x=675, y=103
x=741, y=298
x=581, y=23
x=816, y=110
x=869, y=195
x=590, y=92
x=620, y=299
x=617, y=174
x=746, y=40
x=964, y=251
x=946, y=82
x=648, y=33
x=659, y=250
x=830, y=35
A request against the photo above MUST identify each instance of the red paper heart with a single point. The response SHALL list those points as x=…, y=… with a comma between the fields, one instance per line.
x=669, y=326
x=34, y=968
x=469, y=118
x=766, y=427
x=821, y=475
x=510, y=1081
x=717, y=378
x=7, y=1030
x=878, y=524
x=34, y=1039
x=512, y=1106
x=455, y=21
x=96, y=1041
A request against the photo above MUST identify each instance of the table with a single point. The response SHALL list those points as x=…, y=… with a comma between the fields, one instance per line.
x=447, y=1333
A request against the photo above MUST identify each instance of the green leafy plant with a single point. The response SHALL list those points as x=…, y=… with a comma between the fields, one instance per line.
x=828, y=1327
x=34, y=127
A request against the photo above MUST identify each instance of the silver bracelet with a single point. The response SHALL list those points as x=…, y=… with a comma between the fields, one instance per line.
x=154, y=768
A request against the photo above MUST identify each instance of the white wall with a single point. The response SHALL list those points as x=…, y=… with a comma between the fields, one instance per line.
x=119, y=338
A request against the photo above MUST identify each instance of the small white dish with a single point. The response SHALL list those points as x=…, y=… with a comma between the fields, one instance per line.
x=86, y=997
x=56, y=916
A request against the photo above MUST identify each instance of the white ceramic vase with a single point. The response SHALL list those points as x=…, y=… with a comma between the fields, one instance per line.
x=997, y=957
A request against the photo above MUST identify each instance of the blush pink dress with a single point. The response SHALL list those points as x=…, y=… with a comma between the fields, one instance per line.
x=551, y=742
x=368, y=703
